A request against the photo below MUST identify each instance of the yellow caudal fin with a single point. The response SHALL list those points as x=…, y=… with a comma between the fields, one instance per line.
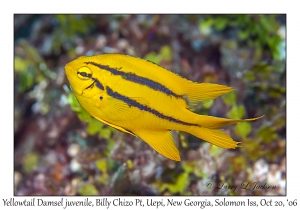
x=210, y=130
x=216, y=123
x=216, y=137
x=162, y=142
x=197, y=92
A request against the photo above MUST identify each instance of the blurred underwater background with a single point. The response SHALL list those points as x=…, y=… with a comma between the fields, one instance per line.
x=59, y=149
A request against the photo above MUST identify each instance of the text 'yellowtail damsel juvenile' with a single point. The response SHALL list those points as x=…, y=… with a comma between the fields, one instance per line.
x=143, y=99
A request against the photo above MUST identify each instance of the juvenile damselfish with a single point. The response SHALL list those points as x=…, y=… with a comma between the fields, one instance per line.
x=141, y=98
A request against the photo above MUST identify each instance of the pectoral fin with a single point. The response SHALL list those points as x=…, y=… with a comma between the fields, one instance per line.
x=162, y=142
x=115, y=110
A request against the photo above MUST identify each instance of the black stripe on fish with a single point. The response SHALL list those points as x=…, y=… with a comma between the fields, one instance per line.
x=138, y=79
x=98, y=84
x=84, y=74
x=133, y=103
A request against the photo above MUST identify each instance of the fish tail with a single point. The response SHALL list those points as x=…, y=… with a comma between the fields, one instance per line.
x=216, y=122
x=211, y=131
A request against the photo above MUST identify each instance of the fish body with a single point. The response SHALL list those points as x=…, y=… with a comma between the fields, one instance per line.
x=143, y=99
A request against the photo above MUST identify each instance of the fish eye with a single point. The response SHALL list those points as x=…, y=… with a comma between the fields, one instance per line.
x=84, y=73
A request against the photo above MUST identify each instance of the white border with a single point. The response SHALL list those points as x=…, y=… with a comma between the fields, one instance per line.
x=153, y=6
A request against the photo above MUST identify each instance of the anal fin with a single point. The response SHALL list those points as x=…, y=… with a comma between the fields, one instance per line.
x=162, y=142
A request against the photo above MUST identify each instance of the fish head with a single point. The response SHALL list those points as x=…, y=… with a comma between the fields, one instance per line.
x=80, y=77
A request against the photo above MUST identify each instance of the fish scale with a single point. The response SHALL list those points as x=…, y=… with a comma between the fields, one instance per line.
x=148, y=101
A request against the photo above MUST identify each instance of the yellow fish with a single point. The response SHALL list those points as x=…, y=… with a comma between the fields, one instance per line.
x=141, y=98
